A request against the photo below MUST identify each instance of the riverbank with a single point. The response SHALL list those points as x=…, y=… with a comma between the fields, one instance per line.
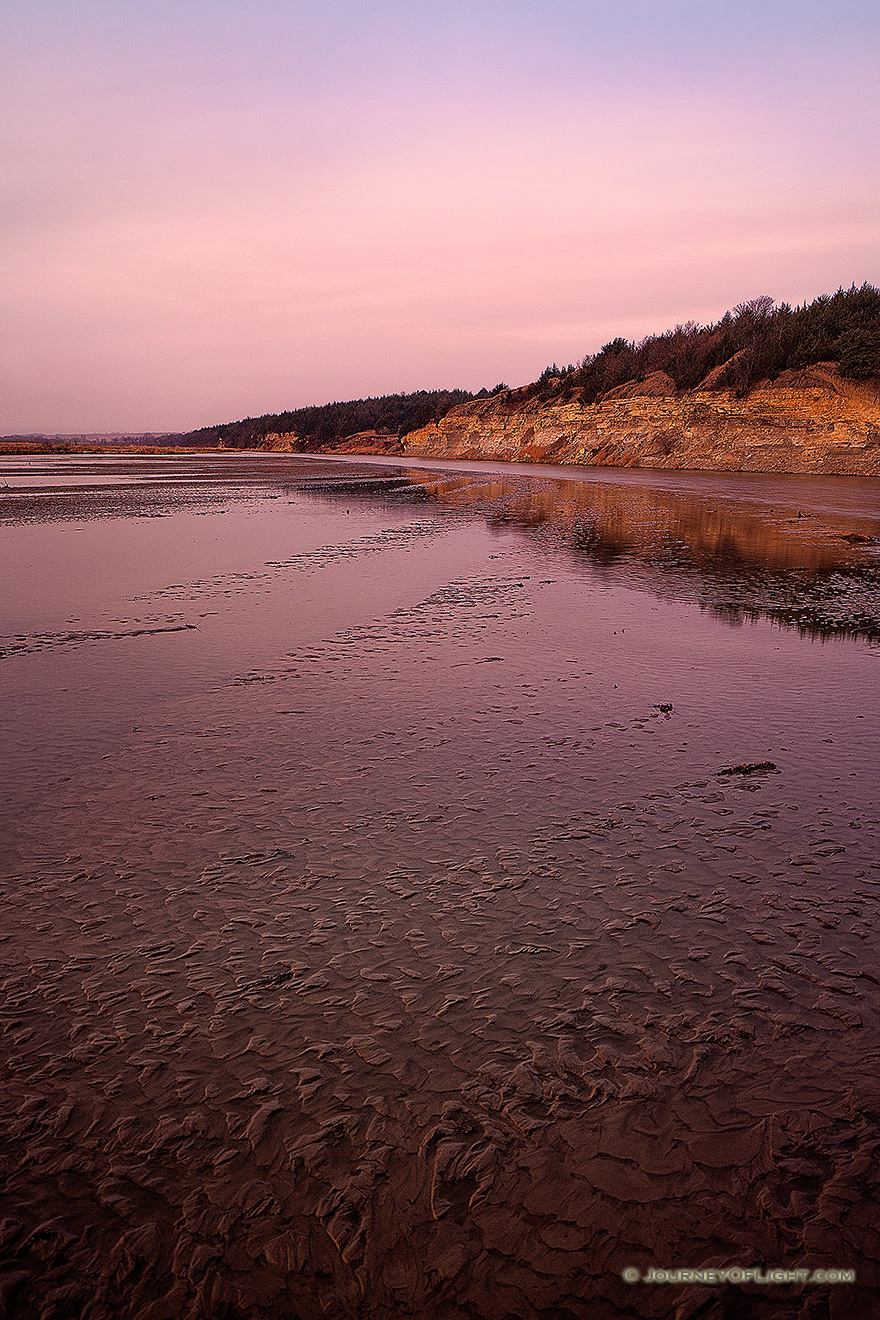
x=810, y=421
x=12, y=448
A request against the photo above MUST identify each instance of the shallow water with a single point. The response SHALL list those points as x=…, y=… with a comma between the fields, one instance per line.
x=383, y=936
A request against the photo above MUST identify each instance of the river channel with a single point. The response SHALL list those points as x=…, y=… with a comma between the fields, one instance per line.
x=437, y=890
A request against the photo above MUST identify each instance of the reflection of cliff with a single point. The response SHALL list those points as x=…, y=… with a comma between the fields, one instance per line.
x=819, y=573
x=805, y=421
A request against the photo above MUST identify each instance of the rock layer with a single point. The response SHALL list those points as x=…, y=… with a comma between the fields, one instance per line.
x=812, y=420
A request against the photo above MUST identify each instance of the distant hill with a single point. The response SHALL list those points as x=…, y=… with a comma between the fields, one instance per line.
x=392, y=415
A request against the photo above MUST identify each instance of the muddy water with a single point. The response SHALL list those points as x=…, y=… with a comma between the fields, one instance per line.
x=382, y=935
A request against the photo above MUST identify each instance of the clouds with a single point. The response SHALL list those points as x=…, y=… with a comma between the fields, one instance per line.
x=223, y=209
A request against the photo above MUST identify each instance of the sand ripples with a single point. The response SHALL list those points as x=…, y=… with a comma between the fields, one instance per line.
x=435, y=976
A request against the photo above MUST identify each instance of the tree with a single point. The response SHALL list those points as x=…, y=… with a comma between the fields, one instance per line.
x=860, y=352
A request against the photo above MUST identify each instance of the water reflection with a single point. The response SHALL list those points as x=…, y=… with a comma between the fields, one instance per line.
x=816, y=571
x=805, y=554
x=626, y=520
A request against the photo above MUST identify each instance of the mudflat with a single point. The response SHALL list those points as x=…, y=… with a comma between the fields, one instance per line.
x=437, y=890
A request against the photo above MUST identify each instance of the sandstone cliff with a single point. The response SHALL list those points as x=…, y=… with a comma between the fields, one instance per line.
x=362, y=442
x=812, y=420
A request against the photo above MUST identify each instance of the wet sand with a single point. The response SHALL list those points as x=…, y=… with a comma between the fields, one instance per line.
x=393, y=943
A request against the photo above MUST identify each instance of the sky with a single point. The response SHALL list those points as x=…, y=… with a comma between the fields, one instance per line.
x=214, y=209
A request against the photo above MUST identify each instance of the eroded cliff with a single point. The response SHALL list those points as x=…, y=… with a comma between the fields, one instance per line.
x=812, y=420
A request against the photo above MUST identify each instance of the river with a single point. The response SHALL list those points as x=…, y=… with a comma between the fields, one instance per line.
x=437, y=889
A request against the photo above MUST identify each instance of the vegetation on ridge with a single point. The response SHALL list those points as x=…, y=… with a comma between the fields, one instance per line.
x=756, y=341
x=391, y=414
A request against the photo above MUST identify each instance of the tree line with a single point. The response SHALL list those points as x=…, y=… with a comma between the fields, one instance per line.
x=757, y=341
x=389, y=414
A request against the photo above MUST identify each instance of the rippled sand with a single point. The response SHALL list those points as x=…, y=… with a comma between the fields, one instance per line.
x=433, y=968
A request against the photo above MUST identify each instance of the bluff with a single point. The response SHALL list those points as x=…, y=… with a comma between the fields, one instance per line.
x=807, y=420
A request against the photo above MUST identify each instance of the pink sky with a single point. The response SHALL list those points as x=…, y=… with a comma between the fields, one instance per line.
x=215, y=209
